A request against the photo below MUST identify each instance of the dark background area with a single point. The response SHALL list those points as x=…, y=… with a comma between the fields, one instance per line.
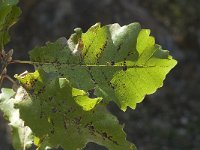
x=166, y=120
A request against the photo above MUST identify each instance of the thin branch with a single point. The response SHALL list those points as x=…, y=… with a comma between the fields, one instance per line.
x=7, y=77
x=1, y=81
x=21, y=62
x=10, y=79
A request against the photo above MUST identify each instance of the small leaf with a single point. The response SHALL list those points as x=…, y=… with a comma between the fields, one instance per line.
x=9, y=14
x=122, y=64
x=50, y=107
x=82, y=99
x=21, y=135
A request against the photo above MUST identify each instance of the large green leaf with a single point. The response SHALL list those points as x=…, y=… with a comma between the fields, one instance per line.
x=21, y=135
x=52, y=109
x=122, y=64
x=9, y=14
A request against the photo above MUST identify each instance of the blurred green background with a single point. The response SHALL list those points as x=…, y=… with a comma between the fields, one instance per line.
x=166, y=120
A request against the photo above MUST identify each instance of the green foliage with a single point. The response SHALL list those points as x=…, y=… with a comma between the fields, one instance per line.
x=55, y=105
x=122, y=64
x=58, y=119
x=21, y=135
x=9, y=14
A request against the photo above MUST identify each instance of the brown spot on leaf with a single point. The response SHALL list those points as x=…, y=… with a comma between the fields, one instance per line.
x=124, y=68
